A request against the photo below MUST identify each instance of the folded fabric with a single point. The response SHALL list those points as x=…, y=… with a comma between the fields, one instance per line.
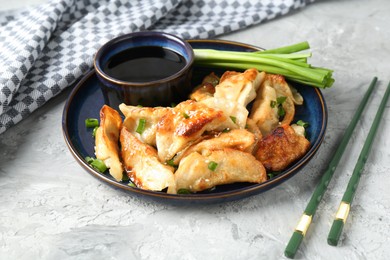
x=48, y=47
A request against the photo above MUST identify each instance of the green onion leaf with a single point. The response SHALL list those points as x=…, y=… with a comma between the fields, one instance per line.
x=132, y=184
x=281, y=111
x=183, y=191
x=91, y=122
x=233, y=118
x=94, y=131
x=280, y=100
x=186, y=116
x=89, y=159
x=273, y=103
x=171, y=163
x=212, y=166
x=141, y=126
x=99, y=165
x=302, y=123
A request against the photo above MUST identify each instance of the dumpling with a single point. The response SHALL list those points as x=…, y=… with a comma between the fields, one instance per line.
x=238, y=139
x=263, y=113
x=150, y=115
x=283, y=90
x=239, y=87
x=281, y=147
x=106, y=141
x=142, y=164
x=184, y=124
x=206, y=89
x=237, y=112
x=229, y=166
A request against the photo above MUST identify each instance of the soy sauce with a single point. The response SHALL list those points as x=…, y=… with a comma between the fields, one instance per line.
x=143, y=64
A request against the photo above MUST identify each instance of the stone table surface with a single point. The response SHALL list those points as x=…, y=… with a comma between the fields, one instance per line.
x=50, y=208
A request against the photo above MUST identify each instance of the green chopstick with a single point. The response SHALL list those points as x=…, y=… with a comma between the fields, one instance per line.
x=304, y=223
x=346, y=201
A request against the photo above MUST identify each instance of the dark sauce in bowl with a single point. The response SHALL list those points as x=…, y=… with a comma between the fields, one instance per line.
x=144, y=64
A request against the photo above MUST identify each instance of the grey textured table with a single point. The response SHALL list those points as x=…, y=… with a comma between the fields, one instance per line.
x=50, y=208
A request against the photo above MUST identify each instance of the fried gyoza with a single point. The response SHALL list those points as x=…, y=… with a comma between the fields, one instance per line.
x=184, y=124
x=206, y=89
x=142, y=164
x=281, y=147
x=265, y=108
x=106, y=141
x=151, y=115
x=238, y=139
x=239, y=87
x=194, y=173
x=232, y=109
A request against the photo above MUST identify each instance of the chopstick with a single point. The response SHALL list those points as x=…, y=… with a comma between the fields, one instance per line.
x=346, y=201
x=304, y=222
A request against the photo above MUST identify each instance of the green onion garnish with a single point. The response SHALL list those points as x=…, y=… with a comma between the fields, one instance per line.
x=132, y=184
x=94, y=131
x=212, y=166
x=91, y=122
x=302, y=123
x=171, y=163
x=281, y=111
x=280, y=100
x=186, y=116
x=183, y=191
x=141, y=126
x=97, y=164
x=273, y=103
x=233, y=118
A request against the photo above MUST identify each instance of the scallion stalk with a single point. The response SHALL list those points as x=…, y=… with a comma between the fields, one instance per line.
x=284, y=61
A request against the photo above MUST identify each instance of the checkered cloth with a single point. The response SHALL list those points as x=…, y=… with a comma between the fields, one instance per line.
x=48, y=47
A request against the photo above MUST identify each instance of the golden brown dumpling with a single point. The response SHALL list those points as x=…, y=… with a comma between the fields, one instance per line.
x=194, y=173
x=142, y=164
x=238, y=139
x=281, y=147
x=151, y=115
x=239, y=87
x=186, y=123
x=106, y=141
x=206, y=89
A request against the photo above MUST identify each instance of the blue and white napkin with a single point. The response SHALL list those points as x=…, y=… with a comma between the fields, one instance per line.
x=46, y=48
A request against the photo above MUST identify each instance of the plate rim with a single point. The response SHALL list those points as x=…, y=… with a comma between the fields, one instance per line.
x=200, y=197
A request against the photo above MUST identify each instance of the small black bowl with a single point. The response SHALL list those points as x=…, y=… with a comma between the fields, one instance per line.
x=135, y=84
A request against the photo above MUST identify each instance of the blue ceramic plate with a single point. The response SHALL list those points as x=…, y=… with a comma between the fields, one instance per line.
x=86, y=99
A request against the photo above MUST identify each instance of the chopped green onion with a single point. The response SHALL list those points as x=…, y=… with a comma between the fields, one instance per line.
x=141, y=126
x=171, y=163
x=132, y=184
x=186, y=116
x=302, y=123
x=226, y=130
x=94, y=131
x=98, y=165
x=183, y=191
x=280, y=100
x=273, y=103
x=89, y=159
x=91, y=122
x=173, y=104
x=281, y=111
x=125, y=177
x=212, y=166
x=284, y=61
x=233, y=118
